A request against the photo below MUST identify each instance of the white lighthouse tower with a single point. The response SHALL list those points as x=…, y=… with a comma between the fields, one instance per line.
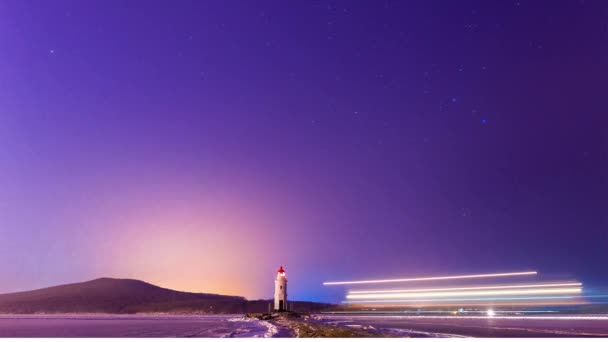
x=280, y=291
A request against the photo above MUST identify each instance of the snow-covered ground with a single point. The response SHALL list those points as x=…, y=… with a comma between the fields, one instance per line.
x=96, y=325
x=475, y=326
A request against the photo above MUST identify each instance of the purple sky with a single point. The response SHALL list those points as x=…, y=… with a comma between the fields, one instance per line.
x=198, y=145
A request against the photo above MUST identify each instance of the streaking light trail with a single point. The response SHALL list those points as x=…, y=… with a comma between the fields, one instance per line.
x=563, y=290
x=470, y=288
x=457, y=299
x=552, y=317
x=592, y=318
x=488, y=275
x=450, y=312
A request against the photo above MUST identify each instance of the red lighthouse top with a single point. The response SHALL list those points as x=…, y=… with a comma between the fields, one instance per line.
x=281, y=270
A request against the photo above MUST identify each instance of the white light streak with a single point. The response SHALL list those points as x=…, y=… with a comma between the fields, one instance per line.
x=443, y=317
x=562, y=290
x=456, y=299
x=488, y=275
x=469, y=288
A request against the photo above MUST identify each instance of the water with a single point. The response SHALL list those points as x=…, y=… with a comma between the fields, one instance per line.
x=133, y=326
x=454, y=326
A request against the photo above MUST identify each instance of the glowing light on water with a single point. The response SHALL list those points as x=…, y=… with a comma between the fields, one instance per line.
x=469, y=276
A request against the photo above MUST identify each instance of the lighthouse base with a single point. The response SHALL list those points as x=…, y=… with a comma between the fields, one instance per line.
x=283, y=306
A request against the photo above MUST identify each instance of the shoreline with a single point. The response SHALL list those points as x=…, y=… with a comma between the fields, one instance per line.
x=290, y=324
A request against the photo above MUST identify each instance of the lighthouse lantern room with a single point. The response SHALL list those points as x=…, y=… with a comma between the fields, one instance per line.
x=280, y=291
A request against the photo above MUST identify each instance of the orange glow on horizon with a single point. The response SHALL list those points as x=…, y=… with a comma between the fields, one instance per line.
x=185, y=243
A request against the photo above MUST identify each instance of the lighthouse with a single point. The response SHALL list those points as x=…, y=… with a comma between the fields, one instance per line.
x=280, y=291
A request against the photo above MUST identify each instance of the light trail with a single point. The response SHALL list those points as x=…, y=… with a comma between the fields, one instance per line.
x=563, y=290
x=458, y=299
x=558, y=301
x=511, y=311
x=469, y=288
x=548, y=317
x=488, y=275
x=418, y=312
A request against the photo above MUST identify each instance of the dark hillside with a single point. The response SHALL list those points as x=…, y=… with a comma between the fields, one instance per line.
x=106, y=295
x=118, y=296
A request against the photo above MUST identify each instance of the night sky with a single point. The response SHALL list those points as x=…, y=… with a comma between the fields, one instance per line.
x=198, y=145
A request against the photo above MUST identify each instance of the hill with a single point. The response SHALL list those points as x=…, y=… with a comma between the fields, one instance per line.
x=107, y=295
